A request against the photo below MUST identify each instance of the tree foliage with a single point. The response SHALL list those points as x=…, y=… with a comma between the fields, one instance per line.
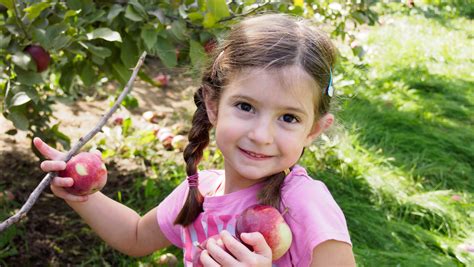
x=91, y=42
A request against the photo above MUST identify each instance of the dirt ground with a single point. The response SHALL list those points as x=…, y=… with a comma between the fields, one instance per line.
x=45, y=237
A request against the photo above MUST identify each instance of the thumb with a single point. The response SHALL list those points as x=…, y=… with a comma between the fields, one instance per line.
x=258, y=243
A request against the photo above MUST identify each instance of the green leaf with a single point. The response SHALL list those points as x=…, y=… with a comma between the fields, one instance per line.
x=129, y=52
x=71, y=13
x=149, y=36
x=87, y=74
x=178, y=28
x=31, y=92
x=35, y=10
x=195, y=16
x=104, y=33
x=99, y=51
x=196, y=53
x=218, y=8
x=130, y=102
x=61, y=42
x=166, y=52
x=113, y=12
x=22, y=60
x=74, y=4
x=29, y=77
x=62, y=138
x=132, y=15
x=7, y=3
x=56, y=30
x=39, y=35
x=138, y=8
x=4, y=41
x=209, y=20
x=19, y=120
x=121, y=73
x=19, y=99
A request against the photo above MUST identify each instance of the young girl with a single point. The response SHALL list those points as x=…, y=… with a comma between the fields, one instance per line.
x=267, y=94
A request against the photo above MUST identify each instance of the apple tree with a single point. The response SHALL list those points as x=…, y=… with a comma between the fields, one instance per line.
x=54, y=50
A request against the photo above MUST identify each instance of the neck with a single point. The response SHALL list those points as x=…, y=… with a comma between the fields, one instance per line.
x=233, y=182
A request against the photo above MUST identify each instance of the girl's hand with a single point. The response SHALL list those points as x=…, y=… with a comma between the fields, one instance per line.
x=55, y=164
x=241, y=255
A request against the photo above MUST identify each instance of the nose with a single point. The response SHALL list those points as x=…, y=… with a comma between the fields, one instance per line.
x=262, y=132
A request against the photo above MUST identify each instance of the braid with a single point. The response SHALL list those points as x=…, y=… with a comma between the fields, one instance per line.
x=198, y=141
x=270, y=194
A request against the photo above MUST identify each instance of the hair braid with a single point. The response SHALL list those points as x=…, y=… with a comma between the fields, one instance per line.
x=198, y=140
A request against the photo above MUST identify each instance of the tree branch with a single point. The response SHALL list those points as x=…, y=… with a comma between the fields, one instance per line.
x=82, y=141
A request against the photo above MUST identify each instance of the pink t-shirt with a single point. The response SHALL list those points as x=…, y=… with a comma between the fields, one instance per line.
x=313, y=215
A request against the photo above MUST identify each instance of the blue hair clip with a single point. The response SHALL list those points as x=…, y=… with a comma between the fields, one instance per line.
x=330, y=89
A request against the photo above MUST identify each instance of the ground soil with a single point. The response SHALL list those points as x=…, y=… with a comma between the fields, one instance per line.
x=46, y=230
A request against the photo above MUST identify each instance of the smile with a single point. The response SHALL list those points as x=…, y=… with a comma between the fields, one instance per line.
x=255, y=156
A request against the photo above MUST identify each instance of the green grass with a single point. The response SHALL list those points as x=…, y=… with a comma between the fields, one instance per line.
x=406, y=144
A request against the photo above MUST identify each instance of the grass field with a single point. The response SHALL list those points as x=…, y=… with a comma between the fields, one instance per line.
x=401, y=164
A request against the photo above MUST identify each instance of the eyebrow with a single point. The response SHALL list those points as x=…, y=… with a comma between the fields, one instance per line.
x=249, y=99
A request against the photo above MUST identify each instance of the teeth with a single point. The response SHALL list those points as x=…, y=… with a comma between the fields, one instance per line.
x=255, y=155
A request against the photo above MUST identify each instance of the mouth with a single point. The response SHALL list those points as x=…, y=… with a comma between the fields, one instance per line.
x=254, y=155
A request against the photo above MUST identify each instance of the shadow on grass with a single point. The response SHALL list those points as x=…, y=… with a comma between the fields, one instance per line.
x=438, y=149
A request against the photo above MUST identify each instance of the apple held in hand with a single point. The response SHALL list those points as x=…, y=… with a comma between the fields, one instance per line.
x=88, y=172
x=270, y=223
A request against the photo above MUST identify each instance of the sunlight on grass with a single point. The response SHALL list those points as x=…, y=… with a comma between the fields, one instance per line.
x=401, y=163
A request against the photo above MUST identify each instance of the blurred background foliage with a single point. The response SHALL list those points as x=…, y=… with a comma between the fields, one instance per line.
x=399, y=162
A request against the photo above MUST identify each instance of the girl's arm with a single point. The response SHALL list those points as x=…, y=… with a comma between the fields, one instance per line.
x=333, y=253
x=121, y=227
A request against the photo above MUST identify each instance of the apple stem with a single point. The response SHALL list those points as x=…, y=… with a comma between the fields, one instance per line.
x=285, y=211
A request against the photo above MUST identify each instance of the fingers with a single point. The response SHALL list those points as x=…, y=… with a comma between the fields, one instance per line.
x=237, y=249
x=46, y=150
x=220, y=255
x=207, y=260
x=257, y=241
x=53, y=165
x=62, y=182
x=58, y=185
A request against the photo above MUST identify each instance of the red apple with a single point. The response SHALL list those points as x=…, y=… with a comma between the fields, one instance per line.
x=118, y=120
x=162, y=79
x=88, y=172
x=179, y=142
x=270, y=223
x=40, y=56
x=210, y=45
x=203, y=245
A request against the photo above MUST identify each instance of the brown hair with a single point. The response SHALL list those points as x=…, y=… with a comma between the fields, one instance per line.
x=270, y=41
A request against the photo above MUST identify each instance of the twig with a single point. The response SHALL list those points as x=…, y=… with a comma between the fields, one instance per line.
x=82, y=141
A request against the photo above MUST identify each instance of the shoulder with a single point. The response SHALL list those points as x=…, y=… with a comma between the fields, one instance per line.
x=309, y=202
x=299, y=183
x=209, y=180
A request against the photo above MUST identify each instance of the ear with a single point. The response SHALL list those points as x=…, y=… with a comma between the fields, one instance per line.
x=211, y=107
x=319, y=127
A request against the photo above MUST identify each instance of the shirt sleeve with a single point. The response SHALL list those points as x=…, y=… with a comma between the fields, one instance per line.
x=313, y=216
x=167, y=212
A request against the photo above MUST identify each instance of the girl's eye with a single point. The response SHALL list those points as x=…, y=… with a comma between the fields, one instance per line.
x=289, y=118
x=244, y=106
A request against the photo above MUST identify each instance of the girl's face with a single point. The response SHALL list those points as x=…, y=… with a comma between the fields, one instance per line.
x=263, y=121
